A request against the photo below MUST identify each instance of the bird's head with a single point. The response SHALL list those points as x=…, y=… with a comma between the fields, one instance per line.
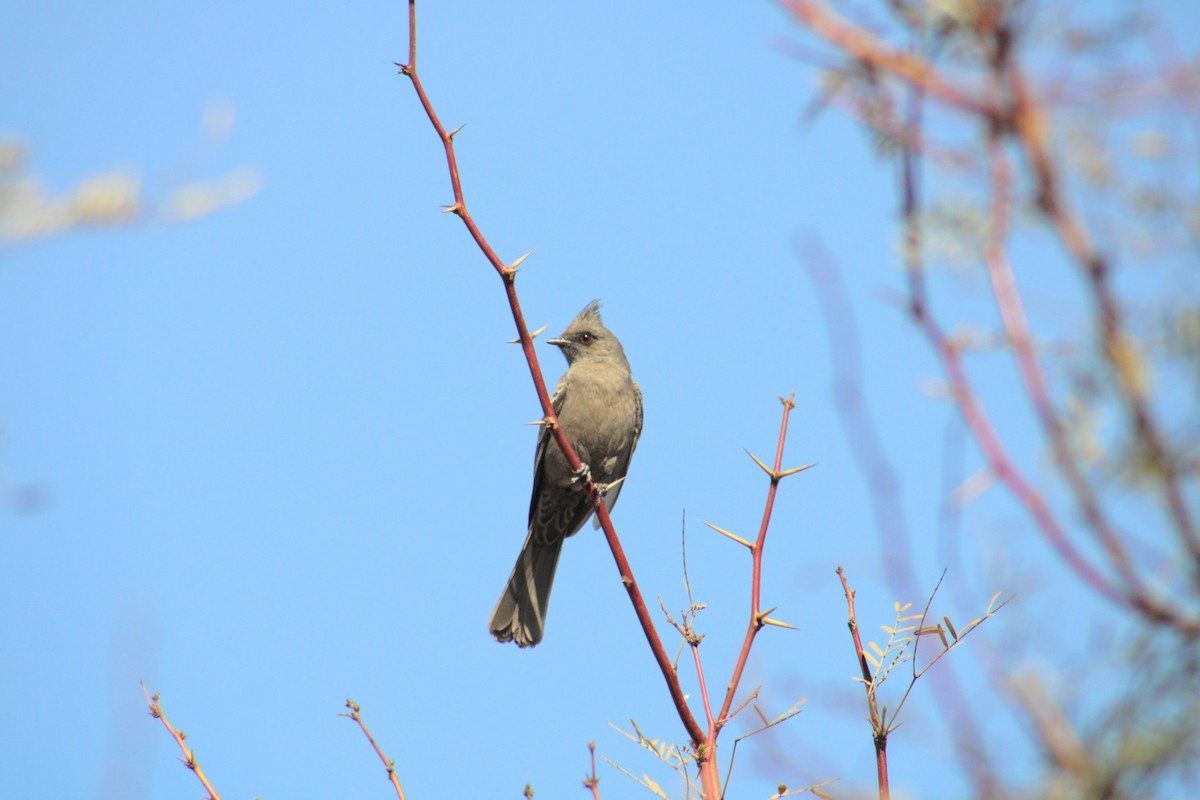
x=586, y=339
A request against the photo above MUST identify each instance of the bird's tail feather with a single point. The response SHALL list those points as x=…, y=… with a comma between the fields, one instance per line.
x=520, y=614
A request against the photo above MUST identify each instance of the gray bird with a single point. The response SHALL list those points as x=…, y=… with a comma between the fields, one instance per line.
x=600, y=409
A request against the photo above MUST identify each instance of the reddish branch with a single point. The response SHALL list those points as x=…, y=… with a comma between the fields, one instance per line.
x=508, y=273
x=758, y=617
x=189, y=757
x=694, y=641
x=591, y=782
x=877, y=722
x=387, y=762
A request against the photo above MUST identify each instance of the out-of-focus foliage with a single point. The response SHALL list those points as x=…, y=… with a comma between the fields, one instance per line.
x=30, y=208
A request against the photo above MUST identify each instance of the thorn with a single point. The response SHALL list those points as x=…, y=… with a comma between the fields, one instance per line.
x=764, y=467
x=608, y=487
x=533, y=335
x=544, y=421
x=794, y=470
x=778, y=624
x=789, y=401
x=513, y=266
x=454, y=132
x=457, y=208
x=733, y=536
x=405, y=69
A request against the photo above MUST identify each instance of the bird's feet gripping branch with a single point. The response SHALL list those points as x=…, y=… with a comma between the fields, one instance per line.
x=583, y=476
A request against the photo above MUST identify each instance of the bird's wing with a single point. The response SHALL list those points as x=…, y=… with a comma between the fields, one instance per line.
x=545, y=437
x=637, y=429
x=610, y=497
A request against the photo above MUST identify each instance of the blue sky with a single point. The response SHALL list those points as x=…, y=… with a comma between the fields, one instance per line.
x=282, y=448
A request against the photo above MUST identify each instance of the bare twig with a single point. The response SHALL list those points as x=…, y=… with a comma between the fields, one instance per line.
x=388, y=763
x=904, y=640
x=868, y=678
x=766, y=725
x=189, y=757
x=592, y=783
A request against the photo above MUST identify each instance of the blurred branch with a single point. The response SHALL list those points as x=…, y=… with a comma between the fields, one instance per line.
x=1005, y=104
x=1009, y=304
x=1056, y=134
x=969, y=404
x=388, y=763
x=1030, y=126
x=867, y=48
x=189, y=757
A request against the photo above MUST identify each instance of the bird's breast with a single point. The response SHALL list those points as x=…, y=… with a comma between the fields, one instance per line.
x=599, y=417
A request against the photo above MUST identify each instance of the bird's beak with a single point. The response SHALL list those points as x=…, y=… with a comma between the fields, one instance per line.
x=557, y=342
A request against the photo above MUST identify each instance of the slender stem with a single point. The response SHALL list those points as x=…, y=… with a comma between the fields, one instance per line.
x=708, y=715
x=592, y=782
x=878, y=728
x=387, y=762
x=189, y=757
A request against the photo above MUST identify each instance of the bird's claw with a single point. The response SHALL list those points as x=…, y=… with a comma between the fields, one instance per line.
x=605, y=488
x=582, y=475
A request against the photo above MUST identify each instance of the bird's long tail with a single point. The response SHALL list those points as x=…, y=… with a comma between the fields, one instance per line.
x=520, y=614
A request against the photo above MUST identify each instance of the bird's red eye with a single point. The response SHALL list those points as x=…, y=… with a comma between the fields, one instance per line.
x=586, y=338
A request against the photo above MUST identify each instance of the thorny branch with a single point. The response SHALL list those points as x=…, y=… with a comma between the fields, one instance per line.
x=508, y=273
x=758, y=617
